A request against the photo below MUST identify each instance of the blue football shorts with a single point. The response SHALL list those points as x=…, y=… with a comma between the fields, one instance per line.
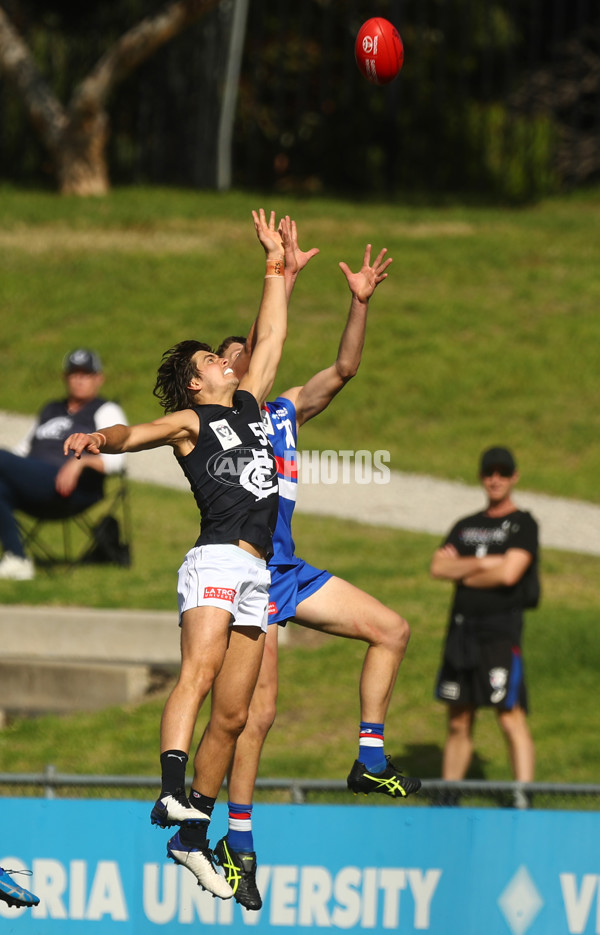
x=291, y=584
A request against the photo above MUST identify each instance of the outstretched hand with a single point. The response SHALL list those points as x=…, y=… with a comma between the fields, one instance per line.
x=274, y=239
x=363, y=284
x=295, y=258
x=79, y=442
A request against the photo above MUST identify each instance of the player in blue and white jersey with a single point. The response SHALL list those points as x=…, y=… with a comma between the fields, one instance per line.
x=313, y=597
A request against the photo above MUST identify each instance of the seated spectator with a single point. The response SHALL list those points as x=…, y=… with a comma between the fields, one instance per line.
x=36, y=479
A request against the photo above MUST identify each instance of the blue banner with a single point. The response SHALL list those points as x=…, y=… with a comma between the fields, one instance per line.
x=100, y=867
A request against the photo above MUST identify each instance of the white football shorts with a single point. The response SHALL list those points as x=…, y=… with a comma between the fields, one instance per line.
x=228, y=577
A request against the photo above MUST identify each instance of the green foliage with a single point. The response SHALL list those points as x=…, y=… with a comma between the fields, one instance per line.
x=464, y=115
x=512, y=154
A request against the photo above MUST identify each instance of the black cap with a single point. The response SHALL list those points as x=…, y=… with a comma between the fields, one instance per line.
x=497, y=458
x=82, y=359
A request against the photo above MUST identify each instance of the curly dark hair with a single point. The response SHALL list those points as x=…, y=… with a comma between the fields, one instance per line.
x=226, y=342
x=174, y=375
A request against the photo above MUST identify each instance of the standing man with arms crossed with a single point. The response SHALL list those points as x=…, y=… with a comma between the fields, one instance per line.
x=492, y=559
x=213, y=424
x=314, y=598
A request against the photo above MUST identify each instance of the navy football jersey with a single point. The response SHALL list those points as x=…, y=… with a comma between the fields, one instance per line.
x=233, y=475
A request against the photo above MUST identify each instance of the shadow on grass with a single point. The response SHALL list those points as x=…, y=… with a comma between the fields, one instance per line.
x=425, y=760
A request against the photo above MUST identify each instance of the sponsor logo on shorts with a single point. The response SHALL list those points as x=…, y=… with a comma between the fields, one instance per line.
x=449, y=690
x=219, y=594
x=498, y=680
x=272, y=608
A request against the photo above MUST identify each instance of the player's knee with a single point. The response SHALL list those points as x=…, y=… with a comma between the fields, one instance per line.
x=231, y=722
x=460, y=723
x=261, y=721
x=194, y=682
x=396, y=633
x=512, y=721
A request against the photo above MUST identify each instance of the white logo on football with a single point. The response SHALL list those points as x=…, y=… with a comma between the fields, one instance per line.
x=369, y=45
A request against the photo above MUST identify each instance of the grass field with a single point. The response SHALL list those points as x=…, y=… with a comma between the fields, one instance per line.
x=486, y=331
x=487, y=328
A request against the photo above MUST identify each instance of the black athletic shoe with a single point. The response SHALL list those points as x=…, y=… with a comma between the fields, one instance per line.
x=173, y=808
x=390, y=781
x=240, y=873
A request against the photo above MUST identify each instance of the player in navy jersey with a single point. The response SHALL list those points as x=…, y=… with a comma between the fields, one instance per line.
x=214, y=425
x=492, y=558
x=313, y=597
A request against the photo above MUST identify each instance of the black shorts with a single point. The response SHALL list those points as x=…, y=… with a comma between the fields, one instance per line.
x=482, y=664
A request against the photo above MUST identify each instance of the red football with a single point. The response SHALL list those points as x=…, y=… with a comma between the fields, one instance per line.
x=378, y=50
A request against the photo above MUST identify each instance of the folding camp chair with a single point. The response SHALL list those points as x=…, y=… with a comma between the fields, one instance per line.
x=98, y=533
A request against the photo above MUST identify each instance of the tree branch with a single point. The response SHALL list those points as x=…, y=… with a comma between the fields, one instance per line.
x=133, y=48
x=16, y=62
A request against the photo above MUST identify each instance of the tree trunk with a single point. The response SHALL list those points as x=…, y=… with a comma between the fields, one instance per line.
x=80, y=160
x=76, y=137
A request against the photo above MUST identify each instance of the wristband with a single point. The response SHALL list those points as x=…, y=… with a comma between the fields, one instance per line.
x=275, y=268
x=103, y=437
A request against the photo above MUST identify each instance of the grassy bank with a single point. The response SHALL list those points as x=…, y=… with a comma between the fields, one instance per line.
x=486, y=332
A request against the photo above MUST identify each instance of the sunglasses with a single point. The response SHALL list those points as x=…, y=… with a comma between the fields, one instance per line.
x=502, y=471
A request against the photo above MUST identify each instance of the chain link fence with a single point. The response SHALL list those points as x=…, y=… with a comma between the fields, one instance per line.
x=496, y=97
x=434, y=792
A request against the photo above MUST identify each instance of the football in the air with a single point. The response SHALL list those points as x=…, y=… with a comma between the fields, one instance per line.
x=378, y=50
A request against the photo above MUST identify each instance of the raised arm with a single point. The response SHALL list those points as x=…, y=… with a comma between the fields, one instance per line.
x=317, y=393
x=295, y=261
x=271, y=323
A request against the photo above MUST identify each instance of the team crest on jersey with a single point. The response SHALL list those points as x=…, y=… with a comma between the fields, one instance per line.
x=227, y=437
x=260, y=476
x=253, y=470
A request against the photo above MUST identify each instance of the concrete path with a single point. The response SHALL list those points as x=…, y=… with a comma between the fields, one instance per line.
x=63, y=659
x=409, y=501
